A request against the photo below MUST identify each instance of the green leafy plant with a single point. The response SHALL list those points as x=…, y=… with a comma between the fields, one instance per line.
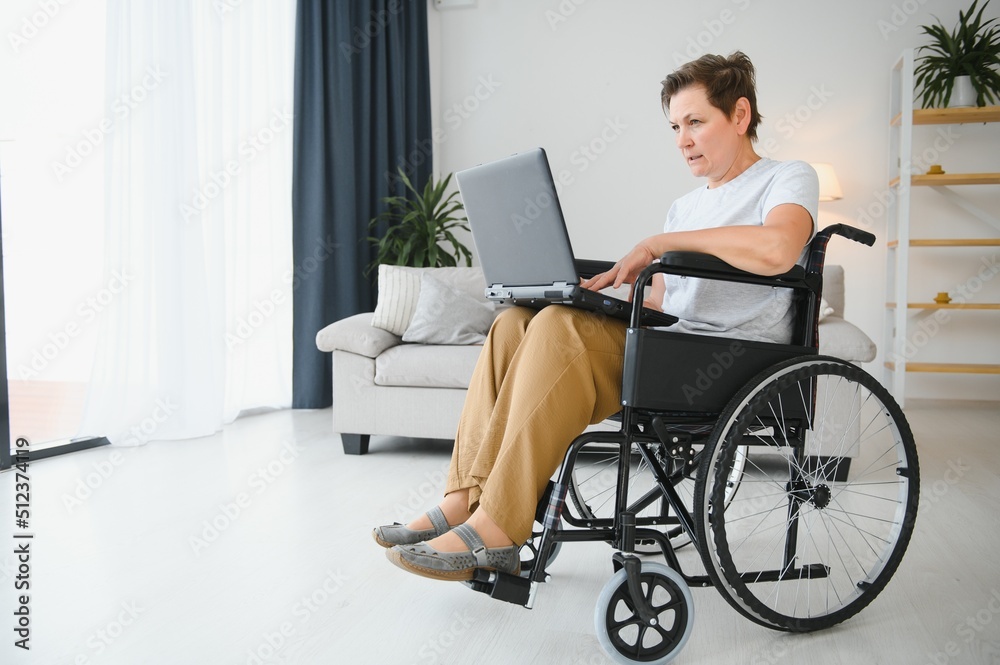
x=417, y=227
x=971, y=49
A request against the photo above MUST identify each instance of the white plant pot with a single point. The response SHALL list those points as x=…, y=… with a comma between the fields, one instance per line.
x=962, y=93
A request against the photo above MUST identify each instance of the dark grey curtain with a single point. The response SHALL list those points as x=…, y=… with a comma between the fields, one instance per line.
x=362, y=109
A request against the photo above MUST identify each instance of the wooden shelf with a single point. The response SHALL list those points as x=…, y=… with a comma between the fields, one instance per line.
x=951, y=305
x=949, y=242
x=948, y=179
x=945, y=179
x=952, y=116
x=949, y=368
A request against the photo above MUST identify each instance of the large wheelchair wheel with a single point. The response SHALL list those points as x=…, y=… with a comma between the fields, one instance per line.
x=625, y=637
x=808, y=541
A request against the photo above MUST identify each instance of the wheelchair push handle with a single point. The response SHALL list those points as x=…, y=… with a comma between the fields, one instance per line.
x=852, y=233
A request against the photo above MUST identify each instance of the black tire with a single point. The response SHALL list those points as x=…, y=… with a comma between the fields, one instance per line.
x=625, y=637
x=836, y=541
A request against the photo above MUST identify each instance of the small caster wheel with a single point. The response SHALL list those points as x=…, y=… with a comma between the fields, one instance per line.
x=625, y=636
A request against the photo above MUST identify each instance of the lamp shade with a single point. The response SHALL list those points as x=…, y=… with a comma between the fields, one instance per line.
x=829, y=185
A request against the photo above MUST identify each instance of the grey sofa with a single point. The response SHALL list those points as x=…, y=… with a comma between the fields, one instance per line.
x=383, y=386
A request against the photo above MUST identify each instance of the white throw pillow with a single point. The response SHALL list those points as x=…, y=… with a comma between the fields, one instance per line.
x=444, y=315
x=398, y=290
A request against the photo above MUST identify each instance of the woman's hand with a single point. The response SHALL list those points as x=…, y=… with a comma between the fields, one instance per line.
x=624, y=271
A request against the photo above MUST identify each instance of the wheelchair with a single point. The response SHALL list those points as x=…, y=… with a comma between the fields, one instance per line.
x=793, y=475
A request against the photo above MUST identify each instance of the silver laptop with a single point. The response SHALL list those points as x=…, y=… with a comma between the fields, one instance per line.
x=522, y=242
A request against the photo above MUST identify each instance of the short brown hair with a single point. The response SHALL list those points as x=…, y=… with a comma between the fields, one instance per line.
x=724, y=79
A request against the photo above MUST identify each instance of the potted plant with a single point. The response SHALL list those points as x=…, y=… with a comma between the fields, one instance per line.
x=972, y=49
x=417, y=227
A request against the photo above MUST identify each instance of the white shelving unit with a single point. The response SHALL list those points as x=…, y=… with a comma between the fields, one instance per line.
x=900, y=243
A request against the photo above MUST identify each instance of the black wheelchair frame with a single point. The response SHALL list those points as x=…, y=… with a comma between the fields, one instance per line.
x=770, y=396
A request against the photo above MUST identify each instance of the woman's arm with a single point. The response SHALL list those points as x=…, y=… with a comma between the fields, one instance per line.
x=770, y=249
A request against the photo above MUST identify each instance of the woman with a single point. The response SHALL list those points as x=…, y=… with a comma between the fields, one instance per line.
x=543, y=376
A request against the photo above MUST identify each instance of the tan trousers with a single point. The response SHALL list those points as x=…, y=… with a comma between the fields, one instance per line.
x=541, y=378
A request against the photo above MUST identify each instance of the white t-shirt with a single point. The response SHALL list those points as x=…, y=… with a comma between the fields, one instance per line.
x=744, y=311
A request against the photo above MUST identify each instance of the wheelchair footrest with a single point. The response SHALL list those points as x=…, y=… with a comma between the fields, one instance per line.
x=508, y=588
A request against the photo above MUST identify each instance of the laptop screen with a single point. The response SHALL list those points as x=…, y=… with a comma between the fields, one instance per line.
x=516, y=221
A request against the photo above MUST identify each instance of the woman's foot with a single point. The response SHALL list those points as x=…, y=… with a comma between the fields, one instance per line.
x=474, y=552
x=455, y=507
x=452, y=511
x=492, y=535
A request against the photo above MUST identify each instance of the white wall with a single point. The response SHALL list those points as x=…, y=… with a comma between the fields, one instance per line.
x=571, y=74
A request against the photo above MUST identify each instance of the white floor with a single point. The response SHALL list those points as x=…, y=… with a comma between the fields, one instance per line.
x=253, y=546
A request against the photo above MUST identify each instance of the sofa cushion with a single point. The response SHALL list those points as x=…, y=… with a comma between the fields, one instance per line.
x=824, y=309
x=399, y=290
x=355, y=334
x=427, y=366
x=833, y=288
x=841, y=339
x=445, y=315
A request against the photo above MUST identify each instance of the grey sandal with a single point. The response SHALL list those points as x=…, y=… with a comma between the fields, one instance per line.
x=397, y=534
x=424, y=560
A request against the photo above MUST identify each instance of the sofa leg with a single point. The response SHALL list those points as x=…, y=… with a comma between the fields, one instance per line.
x=355, y=444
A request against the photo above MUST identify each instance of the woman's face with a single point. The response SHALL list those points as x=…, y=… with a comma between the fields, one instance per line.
x=709, y=140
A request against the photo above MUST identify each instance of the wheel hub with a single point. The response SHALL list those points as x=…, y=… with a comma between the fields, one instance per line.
x=821, y=496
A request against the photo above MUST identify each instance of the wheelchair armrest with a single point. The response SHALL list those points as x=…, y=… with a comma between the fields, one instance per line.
x=706, y=266
x=587, y=268
x=696, y=264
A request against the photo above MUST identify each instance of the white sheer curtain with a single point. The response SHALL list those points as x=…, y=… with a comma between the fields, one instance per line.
x=198, y=187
